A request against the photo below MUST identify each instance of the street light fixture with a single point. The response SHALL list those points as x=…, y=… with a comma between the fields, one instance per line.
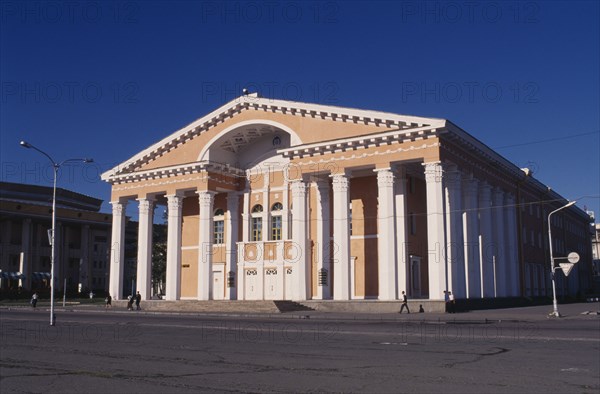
x=552, y=268
x=56, y=166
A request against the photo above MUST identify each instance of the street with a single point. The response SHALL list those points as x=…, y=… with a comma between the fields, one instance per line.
x=119, y=352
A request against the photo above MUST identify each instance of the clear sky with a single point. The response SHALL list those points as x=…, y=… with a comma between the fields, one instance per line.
x=108, y=79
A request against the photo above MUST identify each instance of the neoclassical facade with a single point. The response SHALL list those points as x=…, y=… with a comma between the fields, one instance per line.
x=272, y=199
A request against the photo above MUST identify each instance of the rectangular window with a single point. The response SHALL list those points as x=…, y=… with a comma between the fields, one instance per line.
x=276, y=228
x=256, y=229
x=413, y=224
x=219, y=230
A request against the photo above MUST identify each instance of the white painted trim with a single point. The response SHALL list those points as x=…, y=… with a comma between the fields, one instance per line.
x=368, y=236
x=294, y=140
x=364, y=141
x=249, y=102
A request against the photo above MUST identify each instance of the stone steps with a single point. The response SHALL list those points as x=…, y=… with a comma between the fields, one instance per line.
x=204, y=306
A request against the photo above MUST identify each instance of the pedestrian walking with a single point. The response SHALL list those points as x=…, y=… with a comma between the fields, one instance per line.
x=138, y=299
x=34, y=299
x=451, y=302
x=447, y=301
x=130, y=302
x=108, y=301
x=421, y=310
x=404, y=303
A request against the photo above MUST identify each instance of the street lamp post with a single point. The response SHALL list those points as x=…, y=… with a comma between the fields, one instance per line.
x=552, y=269
x=56, y=166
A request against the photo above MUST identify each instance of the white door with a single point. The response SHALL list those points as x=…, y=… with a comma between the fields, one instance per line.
x=251, y=284
x=218, y=285
x=270, y=283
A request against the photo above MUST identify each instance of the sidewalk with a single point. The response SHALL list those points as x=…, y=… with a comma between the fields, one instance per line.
x=585, y=310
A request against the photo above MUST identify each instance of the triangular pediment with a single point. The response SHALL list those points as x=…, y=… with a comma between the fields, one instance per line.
x=173, y=144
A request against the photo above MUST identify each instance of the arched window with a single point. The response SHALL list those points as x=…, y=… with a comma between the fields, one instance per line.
x=219, y=227
x=256, y=223
x=276, y=221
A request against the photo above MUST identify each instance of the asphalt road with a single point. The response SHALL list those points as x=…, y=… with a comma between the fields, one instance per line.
x=112, y=352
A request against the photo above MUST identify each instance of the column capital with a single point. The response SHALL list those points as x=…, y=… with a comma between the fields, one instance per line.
x=452, y=176
x=145, y=205
x=434, y=171
x=298, y=188
x=174, y=203
x=340, y=183
x=205, y=198
x=509, y=198
x=470, y=184
x=118, y=207
x=385, y=177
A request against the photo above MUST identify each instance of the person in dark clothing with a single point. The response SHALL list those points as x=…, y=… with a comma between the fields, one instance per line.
x=34, y=299
x=404, y=303
x=138, y=298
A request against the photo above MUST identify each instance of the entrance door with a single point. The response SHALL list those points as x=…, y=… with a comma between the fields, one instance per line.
x=270, y=283
x=218, y=285
x=251, y=284
x=415, y=276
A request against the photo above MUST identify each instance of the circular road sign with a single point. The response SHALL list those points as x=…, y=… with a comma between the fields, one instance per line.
x=573, y=257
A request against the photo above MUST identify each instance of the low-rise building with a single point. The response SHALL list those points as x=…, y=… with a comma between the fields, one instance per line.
x=82, y=239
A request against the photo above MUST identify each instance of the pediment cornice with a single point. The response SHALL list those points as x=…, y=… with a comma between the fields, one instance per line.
x=128, y=168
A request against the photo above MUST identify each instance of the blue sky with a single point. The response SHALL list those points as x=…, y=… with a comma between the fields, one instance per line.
x=107, y=79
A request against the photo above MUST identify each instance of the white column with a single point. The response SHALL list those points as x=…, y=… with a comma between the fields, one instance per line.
x=454, y=233
x=341, y=237
x=246, y=215
x=512, y=255
x=266, y=203
x=173, y=275
x=117, y=256
x=323, y=239
x=486, y=242
x=144, y=257
x=231, y=238
x=500, y=245
x=386, y=234
x=300, y=238
x=434, y=176
x=205, y=241
x=285, y=213
x=471, y=239
x=401, y=234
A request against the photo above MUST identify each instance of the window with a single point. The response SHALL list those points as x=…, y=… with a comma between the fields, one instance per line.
x=219, y=227
x=256, y=229
x=276, y=228
x=276, y=221
x=218, y=233
x=256, y=234
x=413, y=223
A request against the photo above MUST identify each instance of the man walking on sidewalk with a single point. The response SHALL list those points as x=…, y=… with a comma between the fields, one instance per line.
x=404, y=303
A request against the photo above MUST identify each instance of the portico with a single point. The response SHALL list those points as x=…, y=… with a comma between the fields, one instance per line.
x=269, y=199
